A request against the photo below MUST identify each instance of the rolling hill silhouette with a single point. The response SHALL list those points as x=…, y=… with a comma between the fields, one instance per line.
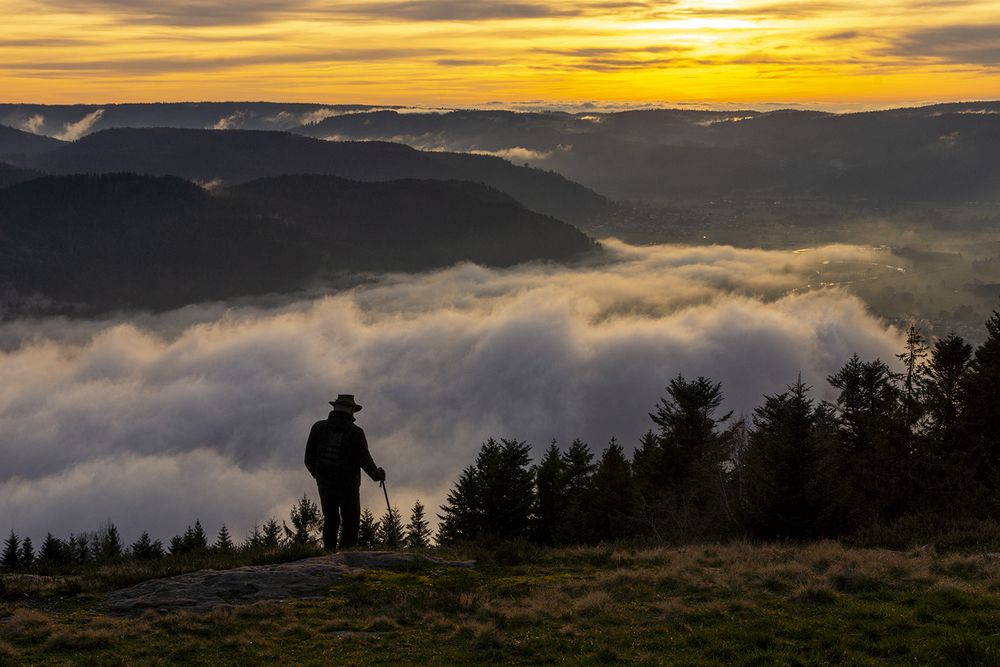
x=102, y=242
x=236, y=156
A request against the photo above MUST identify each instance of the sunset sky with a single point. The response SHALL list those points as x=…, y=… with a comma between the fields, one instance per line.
x=467, y=52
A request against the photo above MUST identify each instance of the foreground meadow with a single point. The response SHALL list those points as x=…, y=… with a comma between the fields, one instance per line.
x=738, y=604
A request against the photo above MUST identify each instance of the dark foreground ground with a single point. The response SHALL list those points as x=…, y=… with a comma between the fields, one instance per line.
x=736, y=604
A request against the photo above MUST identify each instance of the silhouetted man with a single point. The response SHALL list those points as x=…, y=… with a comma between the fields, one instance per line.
x=336, y=452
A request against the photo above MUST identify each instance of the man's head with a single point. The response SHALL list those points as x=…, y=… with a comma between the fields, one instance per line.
x=345, y=403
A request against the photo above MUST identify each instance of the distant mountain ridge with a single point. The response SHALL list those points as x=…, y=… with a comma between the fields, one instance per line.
x=17, y=144
x=236, y=156
x=101, y=242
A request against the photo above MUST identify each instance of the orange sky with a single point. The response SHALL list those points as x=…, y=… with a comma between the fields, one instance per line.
x=470, y=52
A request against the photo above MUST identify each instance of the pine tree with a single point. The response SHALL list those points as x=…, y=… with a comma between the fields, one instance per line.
x=948, y=475
x=368, y=530
x=876, y=443
x=27, y=558
x=307, y=522
x=142, y=548
x=550, y=478
x=254, y=540
x=54, y=552
x=495, y=497
x=108, y=548
x=913, y=357
x=418, y=532
x=271, y=534
x=224, y=542
x=79, y=547
x=390, y=533
x=688, y=475
x=610, y=510
x=578, y=469
x=791, y=489
x=197, y=539
x=11, y=558
x=981, y=417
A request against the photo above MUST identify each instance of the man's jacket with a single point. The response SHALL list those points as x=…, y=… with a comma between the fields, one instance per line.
x=337, y=450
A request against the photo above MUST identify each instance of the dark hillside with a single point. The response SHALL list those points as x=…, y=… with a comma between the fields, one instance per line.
x=122, y=240
x=19, y=144
x=10, y=175
x=235, y=156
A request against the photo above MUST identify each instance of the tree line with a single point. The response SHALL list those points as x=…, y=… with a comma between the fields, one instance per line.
x=104, y=546
x=920, y=444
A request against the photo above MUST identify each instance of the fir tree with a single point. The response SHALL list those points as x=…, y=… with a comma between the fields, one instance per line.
x=368, y=530
x=876, y=449
x=611, y=509
x=578, y=469
x=686, y=477
x=142, y=548
x=913, y=357
x=54, y=552
x=550, y=480
x=254, y=540
x=418, y=532
x=307, y=522
x=224, y=542
x=108, y=547
x=390, y=533
x=981, y=418
x=11, y=558
x=27, y=558
x=791, y=489
x=79, y=547
x=271, y=534
x=196, y=538
x=492, y=498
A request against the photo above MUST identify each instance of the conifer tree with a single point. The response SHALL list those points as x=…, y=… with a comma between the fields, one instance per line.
x=108, y=547
x=146, y=549
x=54, y=552
x=791, y=489
x=981, y=417
x=224, y=541
x=550, y=478
x=876, y=449
x=254, y=540
x=685, y=478
x=610, y=510
x=390, y=532
x=27, y=558
x=307, y=523
x=198, y=540
x=913, y=357
x=578, y=469
x=495, y=497
x=418, y=532
x=368, y=530
x=271, y=534
x=79, y=547
x=11, y=558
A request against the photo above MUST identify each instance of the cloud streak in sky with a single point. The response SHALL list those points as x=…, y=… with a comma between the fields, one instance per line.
x=203, y=412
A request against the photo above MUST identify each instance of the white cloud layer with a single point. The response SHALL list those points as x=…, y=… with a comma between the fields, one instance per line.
x=203, y=412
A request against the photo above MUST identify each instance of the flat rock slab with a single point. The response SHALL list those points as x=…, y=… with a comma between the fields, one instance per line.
x=302, y=580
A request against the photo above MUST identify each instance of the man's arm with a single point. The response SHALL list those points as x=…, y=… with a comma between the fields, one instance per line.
x=365, y=459
x=312, y=445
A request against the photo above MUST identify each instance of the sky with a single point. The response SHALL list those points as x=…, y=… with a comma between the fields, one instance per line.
x=153, y=421
x=816, y=53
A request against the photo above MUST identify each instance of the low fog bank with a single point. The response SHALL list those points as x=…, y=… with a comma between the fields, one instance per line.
x=203, y=412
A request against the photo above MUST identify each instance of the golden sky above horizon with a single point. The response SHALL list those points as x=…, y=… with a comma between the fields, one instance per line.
x=470, y=52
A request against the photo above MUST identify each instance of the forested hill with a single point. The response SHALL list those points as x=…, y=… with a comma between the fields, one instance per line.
x=121, y=240
x=10, y=175
x=235, y=156
x=16, y=143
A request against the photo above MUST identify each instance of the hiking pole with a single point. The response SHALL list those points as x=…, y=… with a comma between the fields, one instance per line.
x=386, y=492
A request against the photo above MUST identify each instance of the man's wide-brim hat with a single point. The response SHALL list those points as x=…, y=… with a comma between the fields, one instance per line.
x=346, y=401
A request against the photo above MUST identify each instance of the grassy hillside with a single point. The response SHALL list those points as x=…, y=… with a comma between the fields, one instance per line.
x=736, y=604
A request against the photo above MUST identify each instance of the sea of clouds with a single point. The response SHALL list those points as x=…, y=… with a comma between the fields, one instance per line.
x=156, y=420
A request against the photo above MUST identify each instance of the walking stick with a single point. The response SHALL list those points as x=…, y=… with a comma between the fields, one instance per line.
x=387, y=505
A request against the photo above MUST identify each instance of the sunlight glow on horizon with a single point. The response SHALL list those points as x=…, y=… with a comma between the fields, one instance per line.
x=469, y=52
